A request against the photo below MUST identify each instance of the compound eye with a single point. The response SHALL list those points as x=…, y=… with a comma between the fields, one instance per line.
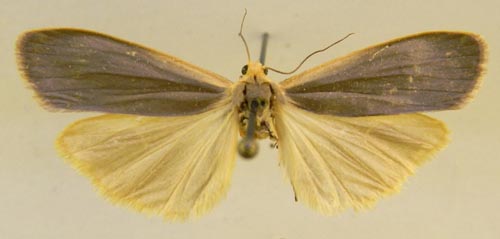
x=265, y=71
x=244, y=69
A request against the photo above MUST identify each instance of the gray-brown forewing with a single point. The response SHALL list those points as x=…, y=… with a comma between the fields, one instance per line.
x=424, y=72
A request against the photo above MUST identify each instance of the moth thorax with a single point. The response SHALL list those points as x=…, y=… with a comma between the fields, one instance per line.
x=254, y=114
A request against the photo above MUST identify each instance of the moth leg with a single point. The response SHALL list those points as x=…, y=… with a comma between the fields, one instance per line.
x=243, y=118
x=272, y=136
x=294, y=193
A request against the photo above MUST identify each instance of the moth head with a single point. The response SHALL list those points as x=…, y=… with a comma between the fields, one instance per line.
x=254, y=70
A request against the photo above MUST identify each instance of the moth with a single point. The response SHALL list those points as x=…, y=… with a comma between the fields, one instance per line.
x=349, y=131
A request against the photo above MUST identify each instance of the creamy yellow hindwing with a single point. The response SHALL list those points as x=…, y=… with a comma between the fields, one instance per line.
x=336, y=163
x=176, y=167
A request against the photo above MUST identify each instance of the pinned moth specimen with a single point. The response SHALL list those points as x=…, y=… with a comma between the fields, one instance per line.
x=349, y=131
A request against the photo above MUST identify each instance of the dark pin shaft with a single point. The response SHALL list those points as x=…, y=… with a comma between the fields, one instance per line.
x=248, y=146
x=251, y=120
x=263, y=48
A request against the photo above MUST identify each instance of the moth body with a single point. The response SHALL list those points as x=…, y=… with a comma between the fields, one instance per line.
x=254, y=97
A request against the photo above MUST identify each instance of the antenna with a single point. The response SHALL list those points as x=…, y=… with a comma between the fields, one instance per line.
x=307, y=57
x=242, y=37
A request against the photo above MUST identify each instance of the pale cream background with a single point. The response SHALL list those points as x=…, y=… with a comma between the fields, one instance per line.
x=457, y=195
